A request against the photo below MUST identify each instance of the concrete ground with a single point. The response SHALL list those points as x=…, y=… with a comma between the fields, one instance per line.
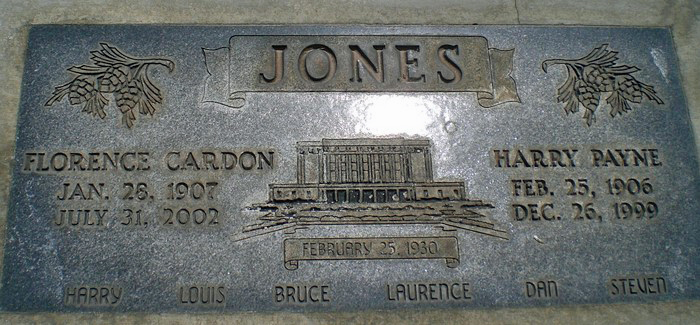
x=682, y=15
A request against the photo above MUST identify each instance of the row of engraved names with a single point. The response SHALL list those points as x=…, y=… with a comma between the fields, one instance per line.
x=414, y=292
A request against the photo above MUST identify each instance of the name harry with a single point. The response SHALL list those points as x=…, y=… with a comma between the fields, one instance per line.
x=570, y=157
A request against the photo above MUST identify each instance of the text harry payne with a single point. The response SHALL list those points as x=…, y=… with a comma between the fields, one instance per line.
x=570, y=157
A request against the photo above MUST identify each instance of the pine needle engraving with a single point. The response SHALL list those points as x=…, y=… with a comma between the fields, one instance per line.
x=112, y=71
x=597, y=73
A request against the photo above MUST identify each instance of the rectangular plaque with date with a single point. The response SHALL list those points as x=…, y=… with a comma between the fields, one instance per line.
x=309, y=168
x=373, y=248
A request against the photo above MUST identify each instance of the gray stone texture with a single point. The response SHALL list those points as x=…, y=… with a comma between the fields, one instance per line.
x=681, y=15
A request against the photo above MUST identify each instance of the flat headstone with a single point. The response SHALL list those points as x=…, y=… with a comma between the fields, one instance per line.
x=308, y=168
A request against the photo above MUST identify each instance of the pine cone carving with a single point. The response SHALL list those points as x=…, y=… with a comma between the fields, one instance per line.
x=597, y=73
x=114, y=72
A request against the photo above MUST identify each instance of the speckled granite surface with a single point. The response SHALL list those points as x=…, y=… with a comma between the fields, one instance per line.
x=682, y=16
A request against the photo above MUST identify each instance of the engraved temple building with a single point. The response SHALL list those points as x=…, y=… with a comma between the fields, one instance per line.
x=368, y=182
x=365, y=171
